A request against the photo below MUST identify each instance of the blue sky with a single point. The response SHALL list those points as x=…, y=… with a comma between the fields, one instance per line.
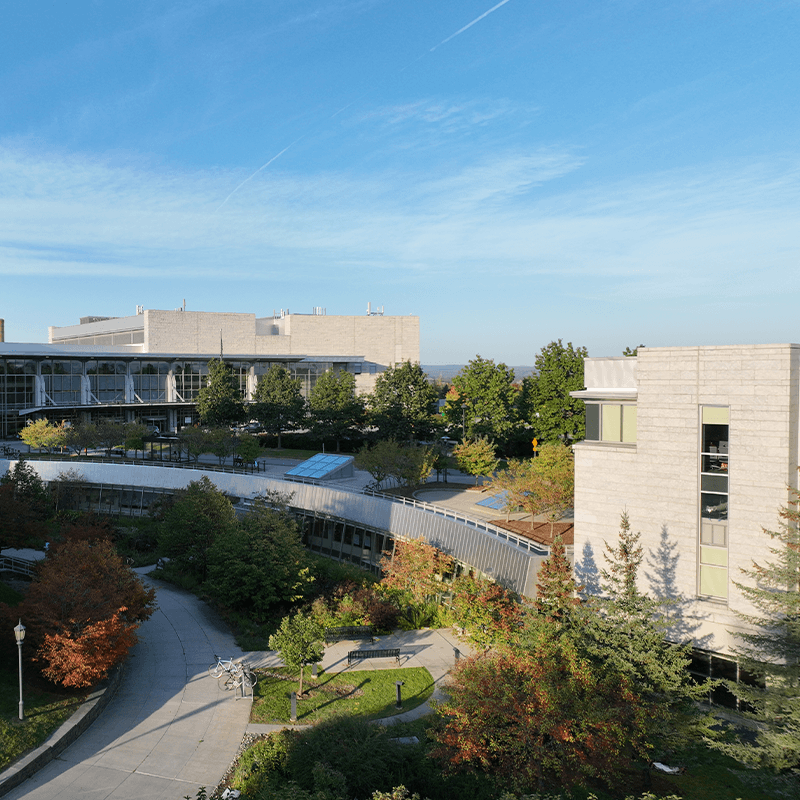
x=607, y=173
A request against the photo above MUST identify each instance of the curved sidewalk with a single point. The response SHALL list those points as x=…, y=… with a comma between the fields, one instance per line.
x=168, y=730
x=436, y=650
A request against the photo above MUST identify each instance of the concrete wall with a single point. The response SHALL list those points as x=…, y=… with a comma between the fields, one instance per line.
x=657, y=479
x=380, y=339
x=199, y=332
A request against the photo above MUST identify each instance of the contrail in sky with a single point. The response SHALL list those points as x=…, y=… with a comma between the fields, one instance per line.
x=444, y=41
x=263, y=166
x=469, y=25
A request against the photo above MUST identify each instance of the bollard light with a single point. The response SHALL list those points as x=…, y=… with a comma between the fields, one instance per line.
x=398, y=684
x=19, y=635
x=293, y=717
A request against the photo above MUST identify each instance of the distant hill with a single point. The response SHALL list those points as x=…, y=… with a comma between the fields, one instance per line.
x=446, y=372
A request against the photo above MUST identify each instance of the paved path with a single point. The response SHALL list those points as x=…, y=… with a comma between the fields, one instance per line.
x=169, y=729
x=436, y=650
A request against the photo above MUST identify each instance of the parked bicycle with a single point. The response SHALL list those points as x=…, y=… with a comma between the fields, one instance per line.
x=240, y=676
x=221, y=666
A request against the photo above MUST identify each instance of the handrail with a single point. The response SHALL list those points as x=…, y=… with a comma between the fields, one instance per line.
x=22, y=566
x=447, y=513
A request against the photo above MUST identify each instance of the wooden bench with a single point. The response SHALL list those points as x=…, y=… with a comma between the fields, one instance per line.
x=392, y=652
x=347, y=632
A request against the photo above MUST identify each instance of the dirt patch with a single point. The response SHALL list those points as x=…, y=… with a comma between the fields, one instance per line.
x=540, y=532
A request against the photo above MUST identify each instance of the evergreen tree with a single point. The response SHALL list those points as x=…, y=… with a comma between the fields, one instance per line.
x=220, y=401
x=556, y=590
x=279, y=405
x=771, y=652
x=625, y=631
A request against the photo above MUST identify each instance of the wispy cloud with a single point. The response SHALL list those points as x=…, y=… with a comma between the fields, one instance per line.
x=673, y=234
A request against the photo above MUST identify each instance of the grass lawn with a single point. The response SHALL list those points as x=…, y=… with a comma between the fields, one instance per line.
x=45, y=710
x=370, y=694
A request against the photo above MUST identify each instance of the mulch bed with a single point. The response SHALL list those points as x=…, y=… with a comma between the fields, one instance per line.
x=540, y=532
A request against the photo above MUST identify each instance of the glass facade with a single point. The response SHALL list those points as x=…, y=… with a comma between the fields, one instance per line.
x=79, y=387
x=190, y=378
x=714, y=463
x=149, y=381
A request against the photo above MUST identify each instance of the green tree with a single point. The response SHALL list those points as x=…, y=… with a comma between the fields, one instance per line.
x=490, y=614
x=300, y=641
x=260, y=562
x=279, y=405
x=477, y=457
x=82, y=436
x=335, y=409
x=194, y=441
x=27, y=485
x=556, y=591
x=487, y=391
x=134, y=433
x=771, y=651
x=401, y=405
x=247, y=447
x=219, y=402
x=221, y=442
x=110, y=433
x=41, y=434
x=546, y=400
x=541, y=485
x=625, y=632
x=191, y=524
x=408, y=464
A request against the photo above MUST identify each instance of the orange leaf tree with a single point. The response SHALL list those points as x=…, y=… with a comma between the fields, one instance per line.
x=487, y=611
x=542, y=718
x=81, y=611
x=416, y=569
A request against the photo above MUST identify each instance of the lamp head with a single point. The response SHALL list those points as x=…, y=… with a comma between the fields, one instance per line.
x=19, y=632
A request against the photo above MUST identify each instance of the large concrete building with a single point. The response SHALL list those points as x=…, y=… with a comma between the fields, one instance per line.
x=699, y=445
x=150, y=366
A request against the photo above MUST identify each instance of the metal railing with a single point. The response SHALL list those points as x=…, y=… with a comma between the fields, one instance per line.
x=458, y=517
x=21, y=566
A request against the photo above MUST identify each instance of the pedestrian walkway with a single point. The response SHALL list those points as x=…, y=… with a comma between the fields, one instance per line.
x=436, y=650
x=169, y=729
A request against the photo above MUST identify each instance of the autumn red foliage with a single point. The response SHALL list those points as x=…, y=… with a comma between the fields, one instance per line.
x=81, y=612
x=416, y=568
x=539, y=719
x=487, y=611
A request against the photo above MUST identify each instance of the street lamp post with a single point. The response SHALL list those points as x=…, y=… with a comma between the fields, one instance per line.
x=19, y=635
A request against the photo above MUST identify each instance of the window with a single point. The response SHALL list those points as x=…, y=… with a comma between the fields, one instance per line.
x=149, y=381
x=611, y=422
x=713, y=556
